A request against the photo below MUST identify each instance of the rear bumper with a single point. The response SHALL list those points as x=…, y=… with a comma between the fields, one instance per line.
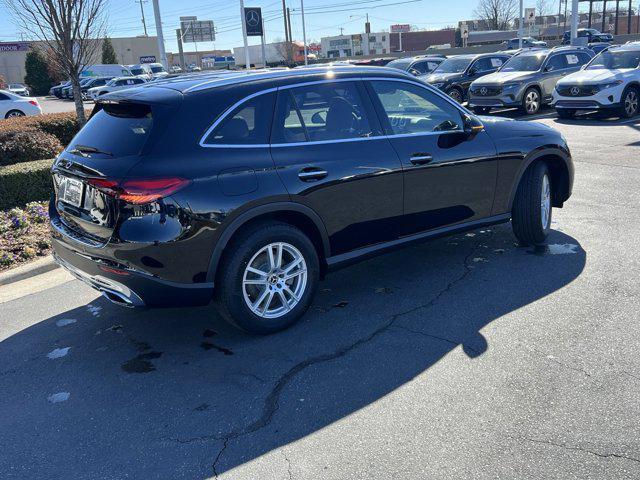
x=126, y=287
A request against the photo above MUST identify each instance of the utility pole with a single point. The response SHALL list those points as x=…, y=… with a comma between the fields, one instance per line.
x=287, y=37
x=183, y=64
x=144, y=21
x=367, y=31
x=163, y=53
x=304, y=33
x=341, y=31
x=290, y=44
x=244, y=35
x=264, y=54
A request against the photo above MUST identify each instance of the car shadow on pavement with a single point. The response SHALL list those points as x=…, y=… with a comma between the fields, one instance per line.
x=179, y=394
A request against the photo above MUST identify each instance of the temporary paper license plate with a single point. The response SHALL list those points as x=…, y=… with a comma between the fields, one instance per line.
x=70, y=191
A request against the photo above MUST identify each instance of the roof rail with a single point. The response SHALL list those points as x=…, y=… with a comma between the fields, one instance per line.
x=570, y=47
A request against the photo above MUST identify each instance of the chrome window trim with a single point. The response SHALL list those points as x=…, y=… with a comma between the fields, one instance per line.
x=410, y=80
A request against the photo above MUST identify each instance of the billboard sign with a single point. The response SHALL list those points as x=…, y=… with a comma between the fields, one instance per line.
x=194, y=30
x=400, y=28
x=148, y=59
x=253, y=21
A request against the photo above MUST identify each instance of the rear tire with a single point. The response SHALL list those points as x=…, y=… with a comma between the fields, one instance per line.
x=566, y=113
x=629, y=103
x=532, y=206
x=239, y=288
x=14, y=114
x=481, y=110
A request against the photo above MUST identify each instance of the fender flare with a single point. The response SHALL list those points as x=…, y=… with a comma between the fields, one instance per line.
x=229, y=230
x=536, y=154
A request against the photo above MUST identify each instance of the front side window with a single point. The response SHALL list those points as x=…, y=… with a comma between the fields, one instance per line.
x=411, y=109
x=454, y=65
x=249, y=124
x=327, y=111
x=556, y=62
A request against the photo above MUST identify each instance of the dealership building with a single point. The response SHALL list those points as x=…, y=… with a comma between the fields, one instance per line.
x=129, y=50
x=358, y=44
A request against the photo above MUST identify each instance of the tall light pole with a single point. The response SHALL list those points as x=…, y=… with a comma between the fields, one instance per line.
x=521, y=24
x=144, y=22
x=304, y=33
x=244, y=35
x=575, y=17
x=163, y=53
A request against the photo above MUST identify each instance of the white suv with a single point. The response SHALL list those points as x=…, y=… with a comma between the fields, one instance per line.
x=609, y=82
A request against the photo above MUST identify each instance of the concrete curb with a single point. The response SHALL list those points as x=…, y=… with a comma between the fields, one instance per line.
x=31, y=269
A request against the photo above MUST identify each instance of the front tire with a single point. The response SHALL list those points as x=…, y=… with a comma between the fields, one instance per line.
x=532, y=101
x=456, y=94
x=532, y=206
x=268, y=279
x=629, y=103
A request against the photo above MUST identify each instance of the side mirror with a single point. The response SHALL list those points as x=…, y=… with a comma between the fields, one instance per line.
x=414, y=72
x=472, y=125
x=472, y=71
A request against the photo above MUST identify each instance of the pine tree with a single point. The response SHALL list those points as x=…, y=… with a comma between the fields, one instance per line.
x=108, y=52
x=37, y=76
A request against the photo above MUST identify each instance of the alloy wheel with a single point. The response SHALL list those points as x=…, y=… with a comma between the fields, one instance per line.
x=545, y=202
x=274, y=280
x=455, y=94
x=15, y=114
x=532, y=101
x=631, y=103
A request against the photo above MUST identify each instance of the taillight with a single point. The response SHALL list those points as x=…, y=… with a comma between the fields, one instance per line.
x=33, y=102
x=139, y=192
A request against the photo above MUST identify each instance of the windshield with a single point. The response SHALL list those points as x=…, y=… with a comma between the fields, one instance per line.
x=111, y=83
x=15, y=85
x=615, y=60
x=402, y=63
x=523, y=63
x=453, y=65
x=157, y=69
x=137, y=71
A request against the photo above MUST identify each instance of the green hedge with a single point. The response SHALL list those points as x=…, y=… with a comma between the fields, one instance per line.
x=26, y=146
x=25, y=182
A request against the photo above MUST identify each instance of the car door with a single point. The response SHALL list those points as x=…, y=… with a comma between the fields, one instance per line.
x=449, y=175
x=330, y=153
x=481, y=67
x=554, y=68
x=5, y=104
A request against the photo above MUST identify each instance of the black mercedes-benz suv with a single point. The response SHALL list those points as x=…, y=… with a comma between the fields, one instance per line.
x=249, y=187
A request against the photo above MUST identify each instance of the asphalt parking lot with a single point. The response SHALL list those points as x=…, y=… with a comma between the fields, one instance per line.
x=466, y=357
x=56, y=105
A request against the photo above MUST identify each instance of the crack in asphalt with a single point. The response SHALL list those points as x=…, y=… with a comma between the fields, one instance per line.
x=552, y=359
x=575, y=448
x=271, y=401
x=288, y=465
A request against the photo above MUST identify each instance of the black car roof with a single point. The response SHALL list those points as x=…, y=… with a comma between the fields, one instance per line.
x=206, y=81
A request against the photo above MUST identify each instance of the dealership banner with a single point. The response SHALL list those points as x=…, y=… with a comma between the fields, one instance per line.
x=14, y=46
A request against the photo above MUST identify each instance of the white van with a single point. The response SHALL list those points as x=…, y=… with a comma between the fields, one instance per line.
x=113, y=70
x=157, y=70
x=142, y=70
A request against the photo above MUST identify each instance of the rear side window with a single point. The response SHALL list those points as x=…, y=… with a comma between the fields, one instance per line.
x=328, y=111
x=116, y=130
x=248, y=124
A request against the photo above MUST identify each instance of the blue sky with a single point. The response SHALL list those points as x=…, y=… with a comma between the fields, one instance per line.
x=323, y=17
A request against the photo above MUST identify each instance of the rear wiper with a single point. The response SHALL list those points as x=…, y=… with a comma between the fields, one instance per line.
x=84, y=149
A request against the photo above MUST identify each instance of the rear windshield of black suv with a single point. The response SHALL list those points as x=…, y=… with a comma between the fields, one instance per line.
x=116, y=130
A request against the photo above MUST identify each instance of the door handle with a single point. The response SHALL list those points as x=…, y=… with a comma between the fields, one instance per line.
x=312, y=174
x=421, y=158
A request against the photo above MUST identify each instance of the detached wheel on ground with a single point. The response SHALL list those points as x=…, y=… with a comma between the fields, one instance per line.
x=14, y=114
x=268, y=278
x=531, y=102
x=532, y=206
x=481, y=110
x=629, y=103
x=566, y=113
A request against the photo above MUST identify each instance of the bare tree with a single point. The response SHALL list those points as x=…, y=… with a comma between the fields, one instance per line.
x=498, y=14
x=70, y=29
x=543, y=8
